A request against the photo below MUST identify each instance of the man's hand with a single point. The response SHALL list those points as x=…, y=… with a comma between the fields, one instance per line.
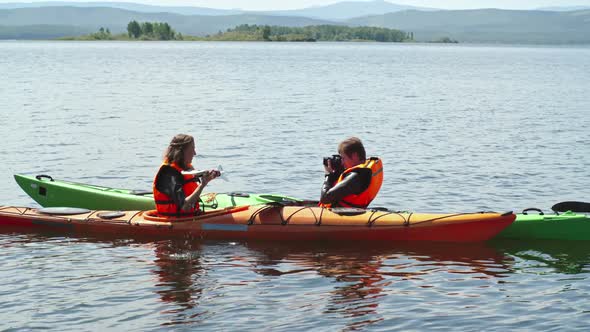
x=328, y=168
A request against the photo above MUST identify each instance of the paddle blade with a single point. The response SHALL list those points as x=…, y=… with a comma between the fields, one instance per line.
x=223, y=176
x=571, y=206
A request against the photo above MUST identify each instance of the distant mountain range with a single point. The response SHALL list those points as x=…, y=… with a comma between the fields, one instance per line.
x=137, y=7
x=489, y=25
x=117, y=19
x=48, y=20
x=337, y=11
x=349, y=9
x=564, y=9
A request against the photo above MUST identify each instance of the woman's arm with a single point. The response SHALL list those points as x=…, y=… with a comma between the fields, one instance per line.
x=192, y=199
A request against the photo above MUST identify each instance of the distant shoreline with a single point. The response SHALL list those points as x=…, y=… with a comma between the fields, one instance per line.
x=70, y=39
x=162, y=31
x=467, y=44
x=493, y=26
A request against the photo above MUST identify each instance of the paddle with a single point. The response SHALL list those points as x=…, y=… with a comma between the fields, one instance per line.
x=573, y=206
x=203, y=173
x=223, y=176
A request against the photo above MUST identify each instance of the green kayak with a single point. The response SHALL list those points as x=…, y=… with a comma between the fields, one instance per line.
x=49, y=192
x=568, y=225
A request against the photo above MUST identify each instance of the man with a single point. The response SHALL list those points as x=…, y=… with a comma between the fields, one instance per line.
x=358, y=184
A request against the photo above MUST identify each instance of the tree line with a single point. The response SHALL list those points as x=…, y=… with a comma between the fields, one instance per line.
x=322, y=33
x=245, y=32
x=152, y=31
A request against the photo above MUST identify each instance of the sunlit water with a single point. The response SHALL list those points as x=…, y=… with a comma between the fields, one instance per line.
x=460, y=128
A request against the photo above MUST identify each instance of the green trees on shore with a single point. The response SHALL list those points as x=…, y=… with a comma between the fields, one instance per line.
x=313, y=33
x=152, y=31
x=135, y=31
x=245, y=32
x=102, y=34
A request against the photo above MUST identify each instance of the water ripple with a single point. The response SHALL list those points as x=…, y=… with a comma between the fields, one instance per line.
x=463, y=128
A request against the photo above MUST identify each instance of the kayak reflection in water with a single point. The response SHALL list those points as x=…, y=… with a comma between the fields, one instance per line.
x=177, y=193
x=365, y=282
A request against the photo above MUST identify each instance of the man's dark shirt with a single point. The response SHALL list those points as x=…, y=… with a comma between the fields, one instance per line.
x=353, y=184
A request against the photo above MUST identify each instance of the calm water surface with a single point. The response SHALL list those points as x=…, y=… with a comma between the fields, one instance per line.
x=460, y=128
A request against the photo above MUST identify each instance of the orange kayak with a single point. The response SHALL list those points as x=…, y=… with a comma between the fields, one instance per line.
x=266, y=222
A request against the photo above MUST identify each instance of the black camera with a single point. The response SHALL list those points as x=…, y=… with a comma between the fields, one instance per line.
x=336, y=162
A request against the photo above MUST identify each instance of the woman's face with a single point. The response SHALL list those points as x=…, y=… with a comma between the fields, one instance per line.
x=189, y=152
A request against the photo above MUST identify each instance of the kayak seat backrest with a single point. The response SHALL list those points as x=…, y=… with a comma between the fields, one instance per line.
x=573, y=206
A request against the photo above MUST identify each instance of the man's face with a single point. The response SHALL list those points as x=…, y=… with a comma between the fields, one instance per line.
x=350, y=160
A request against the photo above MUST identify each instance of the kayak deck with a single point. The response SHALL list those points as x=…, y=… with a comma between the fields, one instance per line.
x=49, y=192
x=565, y=226
x=272, y=222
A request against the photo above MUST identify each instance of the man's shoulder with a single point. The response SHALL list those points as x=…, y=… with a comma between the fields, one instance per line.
x=362, y=177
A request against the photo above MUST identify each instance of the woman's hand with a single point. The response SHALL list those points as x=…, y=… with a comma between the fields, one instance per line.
x=192, y=199
x=212, y=174
x=188, y=204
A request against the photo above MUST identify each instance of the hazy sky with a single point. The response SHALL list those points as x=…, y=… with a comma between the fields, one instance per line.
x=296, y=4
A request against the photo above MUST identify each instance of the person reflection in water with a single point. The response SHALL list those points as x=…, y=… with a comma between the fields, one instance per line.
x=364, y=279
x=178, y=271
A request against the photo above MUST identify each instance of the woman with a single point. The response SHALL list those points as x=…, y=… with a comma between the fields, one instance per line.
x=177, y=194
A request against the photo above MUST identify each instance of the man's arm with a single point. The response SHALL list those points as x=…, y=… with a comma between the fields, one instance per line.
x=352, y=184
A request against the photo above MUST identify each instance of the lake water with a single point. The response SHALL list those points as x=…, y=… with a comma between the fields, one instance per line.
x=460, y=128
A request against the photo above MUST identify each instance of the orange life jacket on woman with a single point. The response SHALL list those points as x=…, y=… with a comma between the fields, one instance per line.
x=363, y=199
x=165, y=205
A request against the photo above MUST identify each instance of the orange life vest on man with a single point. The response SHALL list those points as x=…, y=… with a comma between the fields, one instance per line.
x=363, y=199
x=165, y=205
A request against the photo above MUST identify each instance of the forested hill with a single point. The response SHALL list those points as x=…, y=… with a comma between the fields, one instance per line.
x=90, y=19
x=489, y=25
x=478, y=26
x=336, y=11
x=132, y=6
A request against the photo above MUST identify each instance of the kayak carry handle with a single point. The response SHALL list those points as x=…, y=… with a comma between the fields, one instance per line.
x=239, y=194
x=41, y=176
x=532, y=209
